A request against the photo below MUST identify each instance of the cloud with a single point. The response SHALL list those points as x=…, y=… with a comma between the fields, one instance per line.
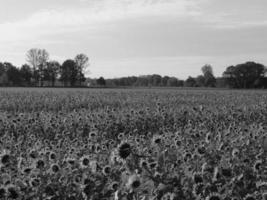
x=230, y=15
x=91, y=16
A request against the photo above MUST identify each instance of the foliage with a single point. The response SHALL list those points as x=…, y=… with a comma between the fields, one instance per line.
x=82, y=62
x=246, y=75
x=209, y=79
x=101, y=81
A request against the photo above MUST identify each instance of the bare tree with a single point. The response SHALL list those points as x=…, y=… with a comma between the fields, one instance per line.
x=38, y=59
x=82, y=62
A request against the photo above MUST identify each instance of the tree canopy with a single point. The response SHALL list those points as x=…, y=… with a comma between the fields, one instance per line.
x=245, y=75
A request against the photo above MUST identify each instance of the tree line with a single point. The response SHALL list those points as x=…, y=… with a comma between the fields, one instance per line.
x=41, y=71
x=245, y=75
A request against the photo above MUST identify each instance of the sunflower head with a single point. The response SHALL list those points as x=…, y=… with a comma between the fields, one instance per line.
x=214, y=196
x=197, y=177
x=5, y=159
x=12, y=192
x=3, y=192
x=124, y=150
x=55, y=168
x=84, y=161
x=106, y=170
x=133, y=182
x=249, y=197
x=264, y=196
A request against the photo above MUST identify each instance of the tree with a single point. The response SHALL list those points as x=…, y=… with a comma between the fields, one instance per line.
x=38, y=59
x=101, y=81
x=3, y=75
x=51, y=72
x=172, y=82
x=68, y=72
x=200, y=81
x=26, y=74
x=164, y=80
x=245, y=75
x=210, y=80
x=155, y=80
x=82, y=62
x=13, y=74
x=190, y=82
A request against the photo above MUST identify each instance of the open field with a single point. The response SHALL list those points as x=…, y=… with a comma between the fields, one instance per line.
x=133, y=144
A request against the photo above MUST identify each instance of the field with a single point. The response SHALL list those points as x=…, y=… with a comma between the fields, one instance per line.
x=133, y=144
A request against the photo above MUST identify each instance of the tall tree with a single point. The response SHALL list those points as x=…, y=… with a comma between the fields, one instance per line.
x=26, y=74
x=38, y=59
x=210, y=80
x=101, y=81
x=82, y=62
x=13, y=74
x=172, y=82
x=68, y=72
x=245, y=75
x=190, y=82
x=3, y=75
x=200, y=81
x=51, y=72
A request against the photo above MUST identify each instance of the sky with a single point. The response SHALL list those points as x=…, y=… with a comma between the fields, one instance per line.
x=137, y=37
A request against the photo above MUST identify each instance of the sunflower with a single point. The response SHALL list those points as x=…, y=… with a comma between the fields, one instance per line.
x=92, y=134
x=121, y=136
x=33, y=154
x=27, y=170
x=70, y=161
x=84, y=161
x=40, y=164
x=249, y=197
x=3, y=192
x=35, y=182
x=208, y=137
x=124, y=150
x=133, y=182
x=214, y=196
x=5, y=159
x=12, y=192
x=143, y=163
x=235, y=152
x=54, y=168
x=157, y=139
x=114, y=185
x=106, y=170
x=257, y=165
x=201, y=150
x=264, y=196
x=52, y=156
x=5, y=178
x=197, y=177
x=198, y=189
x=49, y=190
x=226, y=172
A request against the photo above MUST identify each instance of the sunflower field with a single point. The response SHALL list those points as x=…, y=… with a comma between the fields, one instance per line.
x=133, y=144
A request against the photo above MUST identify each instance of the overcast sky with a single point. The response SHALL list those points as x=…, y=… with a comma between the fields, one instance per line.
x=137, y=37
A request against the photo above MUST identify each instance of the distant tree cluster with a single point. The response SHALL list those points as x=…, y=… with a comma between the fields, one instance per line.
x=246, y=75
x=41, y=71
x=154, y=80
x=207, y=79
